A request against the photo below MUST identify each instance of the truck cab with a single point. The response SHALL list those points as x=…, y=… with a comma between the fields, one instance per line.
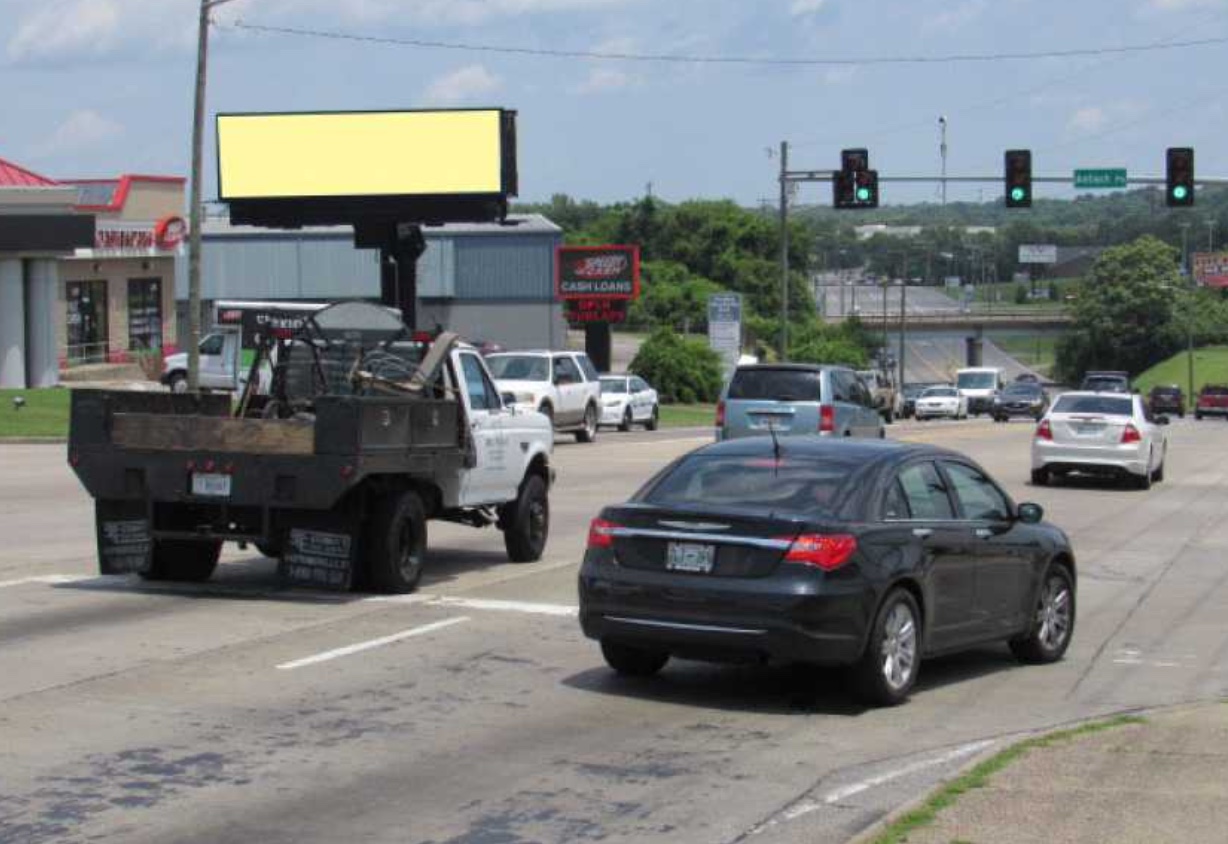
x=220, y=360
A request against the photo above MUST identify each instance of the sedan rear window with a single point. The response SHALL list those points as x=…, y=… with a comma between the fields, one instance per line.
x=1215, y=391
x=775, y=385
x=1104, y=405
x=754, y=484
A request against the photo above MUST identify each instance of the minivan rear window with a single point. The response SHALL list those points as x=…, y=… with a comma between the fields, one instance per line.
x=1106, y=405
x=775, y=385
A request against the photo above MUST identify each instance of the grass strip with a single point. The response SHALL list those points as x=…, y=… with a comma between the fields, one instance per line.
x=979, y=776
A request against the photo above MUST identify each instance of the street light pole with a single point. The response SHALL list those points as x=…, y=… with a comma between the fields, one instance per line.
x=784, y=251
x=1211, y=235
x=942, y=151
x=194, y=201
x=1189, y=317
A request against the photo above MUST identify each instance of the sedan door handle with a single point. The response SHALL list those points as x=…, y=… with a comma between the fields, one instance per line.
x=984, y=533
x=922, y=533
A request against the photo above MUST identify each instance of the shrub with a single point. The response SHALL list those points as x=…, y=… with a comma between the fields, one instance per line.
x=681, y=370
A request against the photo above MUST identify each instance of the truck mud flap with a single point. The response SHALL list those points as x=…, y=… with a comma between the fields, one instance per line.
x=124, y=543
x=319, y=558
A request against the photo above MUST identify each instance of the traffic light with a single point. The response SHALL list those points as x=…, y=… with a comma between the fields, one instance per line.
x=1018, y=178
x=1180, y=177
x=855, y=185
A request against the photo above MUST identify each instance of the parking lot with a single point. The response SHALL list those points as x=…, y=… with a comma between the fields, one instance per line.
x=475, y=711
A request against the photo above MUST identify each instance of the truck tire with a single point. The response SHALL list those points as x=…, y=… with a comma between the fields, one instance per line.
x=526, y=522
x=178, y=382
x=183, y=560
x=396, y=543
x=588, y=433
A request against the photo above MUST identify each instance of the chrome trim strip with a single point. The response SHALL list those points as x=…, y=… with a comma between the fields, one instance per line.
x=674, y=625
x=715, y=539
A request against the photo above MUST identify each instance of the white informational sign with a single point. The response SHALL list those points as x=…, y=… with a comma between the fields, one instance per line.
x=1038, y=253
x=725, y=326
x=953, y=281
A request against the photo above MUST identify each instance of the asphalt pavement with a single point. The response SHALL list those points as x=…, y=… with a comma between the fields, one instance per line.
x=475, y=711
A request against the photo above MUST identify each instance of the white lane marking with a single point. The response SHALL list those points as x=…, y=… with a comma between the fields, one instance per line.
x=47, y=579
x=359, y=647
x=805, y=807
x=491, y=604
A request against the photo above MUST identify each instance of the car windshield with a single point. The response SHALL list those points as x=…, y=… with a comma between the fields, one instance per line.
x=977, y=380
x=1026, y=391
x=1104, y=405
x=1105, y=384
x=790, y=486
x=914, y=390
x=775, y=385
x=613, y=385
x=940, y=393
x=519, y=367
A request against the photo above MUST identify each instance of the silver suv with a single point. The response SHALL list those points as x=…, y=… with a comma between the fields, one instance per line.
x=795, y=399
x=563, y=385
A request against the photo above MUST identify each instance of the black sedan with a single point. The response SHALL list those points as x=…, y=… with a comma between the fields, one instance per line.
x=1020, y=399
x=870, y=554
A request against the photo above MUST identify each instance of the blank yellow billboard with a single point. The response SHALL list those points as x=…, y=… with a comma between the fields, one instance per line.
x=400, y=153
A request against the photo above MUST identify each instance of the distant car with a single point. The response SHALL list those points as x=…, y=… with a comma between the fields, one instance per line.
x=1027, y=378
x=1212, y=401
x=1105, y=382
x=908, y=398
x=1020, y=399
x=1167, y=399
x=563, y=385
x=796, y=398
x=805, y=550
x=942, y=403
x=627, y=400
x=1100, y=434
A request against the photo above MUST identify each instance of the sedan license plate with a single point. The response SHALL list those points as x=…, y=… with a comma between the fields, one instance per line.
x=215, y=486
x=687, y=556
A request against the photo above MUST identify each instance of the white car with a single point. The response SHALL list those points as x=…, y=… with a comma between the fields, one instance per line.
x=945, y=402
x=563, y=385
x=627, y=400
x=1100, y=433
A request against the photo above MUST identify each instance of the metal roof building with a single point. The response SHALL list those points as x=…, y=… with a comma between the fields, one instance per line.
x=487, y=281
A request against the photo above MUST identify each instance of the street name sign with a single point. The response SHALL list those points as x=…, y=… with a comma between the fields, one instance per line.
x=1112, y=177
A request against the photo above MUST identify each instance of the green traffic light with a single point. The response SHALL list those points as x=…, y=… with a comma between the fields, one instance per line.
x=863, y=194
x=1018, y=194
x=1180, y=192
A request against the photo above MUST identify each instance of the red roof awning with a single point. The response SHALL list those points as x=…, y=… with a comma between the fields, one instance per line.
x=13, y=176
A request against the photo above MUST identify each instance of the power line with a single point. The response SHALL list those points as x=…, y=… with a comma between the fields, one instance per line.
x=539, y=52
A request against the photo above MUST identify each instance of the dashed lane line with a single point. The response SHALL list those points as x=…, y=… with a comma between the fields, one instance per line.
x=370, y=644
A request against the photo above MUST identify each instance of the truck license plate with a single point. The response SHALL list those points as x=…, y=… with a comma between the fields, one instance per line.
x=686, y=556
x=216, y=486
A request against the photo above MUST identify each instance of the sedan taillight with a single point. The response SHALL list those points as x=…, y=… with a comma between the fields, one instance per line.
x=1044, y=431
x=1130, y=434
x=601, y=534
x=827, y=552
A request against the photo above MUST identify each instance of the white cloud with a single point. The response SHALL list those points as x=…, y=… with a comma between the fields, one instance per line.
x=840, y=75
x=56, y=30
x=1182, y=5
x=1087, y=119
x=435, y=12
x=955, y=17
x=461, y=85
x=805, y=7
x=82, y=130
x=1096, y=117
x=601, y=79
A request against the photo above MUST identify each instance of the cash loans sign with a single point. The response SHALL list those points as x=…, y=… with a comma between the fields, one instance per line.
x=597, y=272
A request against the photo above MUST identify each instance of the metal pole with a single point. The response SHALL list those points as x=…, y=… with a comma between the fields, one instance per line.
x=784, y=251
x=1189, y=317
x=942, y=150
x=903, y=317
x=195, y=211
x=1210, y=235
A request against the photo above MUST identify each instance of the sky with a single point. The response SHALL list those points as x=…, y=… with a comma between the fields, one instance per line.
x=94, y=88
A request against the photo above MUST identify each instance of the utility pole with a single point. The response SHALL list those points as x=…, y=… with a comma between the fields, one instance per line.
x=903, y=316
x=942, y=151
x=784, y=251
x=195, y=210
x=1210, y=235
x=1189, y=318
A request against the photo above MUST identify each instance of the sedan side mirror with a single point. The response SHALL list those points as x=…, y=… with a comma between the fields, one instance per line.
x=1030, y=514
x=509, y=399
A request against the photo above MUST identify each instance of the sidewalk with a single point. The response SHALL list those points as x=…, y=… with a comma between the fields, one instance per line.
x=1163, y=780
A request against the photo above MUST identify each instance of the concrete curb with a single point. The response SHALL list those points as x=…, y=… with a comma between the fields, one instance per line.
x=33, y=440
x=871, y=832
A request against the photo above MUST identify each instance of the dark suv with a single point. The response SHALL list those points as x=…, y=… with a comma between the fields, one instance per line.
x=1106, y=382
x=1167, y=399
x=1020, y=399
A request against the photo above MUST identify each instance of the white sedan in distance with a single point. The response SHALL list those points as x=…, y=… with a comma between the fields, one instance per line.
x=1107, y=434
x=628, y=400
x=945, y=402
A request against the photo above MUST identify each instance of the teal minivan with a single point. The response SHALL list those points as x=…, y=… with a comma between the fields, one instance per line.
x=794, y=399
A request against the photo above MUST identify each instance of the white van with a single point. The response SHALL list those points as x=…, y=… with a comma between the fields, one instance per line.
x=979, y=384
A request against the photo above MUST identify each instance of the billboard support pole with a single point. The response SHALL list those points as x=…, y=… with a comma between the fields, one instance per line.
x=400, y=249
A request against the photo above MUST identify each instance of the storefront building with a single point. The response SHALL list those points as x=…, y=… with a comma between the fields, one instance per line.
x=117, y=297
x=39, y=224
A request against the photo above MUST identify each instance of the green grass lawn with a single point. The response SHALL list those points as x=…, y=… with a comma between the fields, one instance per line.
x=688, y=415
x=45, y=413
x=1210, y=367
x=1037, y=353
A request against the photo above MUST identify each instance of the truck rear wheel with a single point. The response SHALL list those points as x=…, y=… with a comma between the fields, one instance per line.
x=526, y=523
x=396, y=543
x=184, y=560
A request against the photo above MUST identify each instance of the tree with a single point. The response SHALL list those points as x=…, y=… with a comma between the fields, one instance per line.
x=1124, y=315
x=681, y=369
